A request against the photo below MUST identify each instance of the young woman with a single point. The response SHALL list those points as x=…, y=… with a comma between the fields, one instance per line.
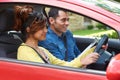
x=33, y=26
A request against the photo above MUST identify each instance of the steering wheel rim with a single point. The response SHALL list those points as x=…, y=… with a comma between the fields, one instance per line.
x=101, y=42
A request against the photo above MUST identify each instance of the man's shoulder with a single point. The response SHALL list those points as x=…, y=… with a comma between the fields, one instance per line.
x=68, y=32
x=51, y=34
x=50, y=39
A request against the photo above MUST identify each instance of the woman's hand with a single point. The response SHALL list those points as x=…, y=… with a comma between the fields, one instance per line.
x=91, y=58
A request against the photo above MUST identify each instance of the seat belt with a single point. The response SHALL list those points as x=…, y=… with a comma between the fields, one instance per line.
x=37, y=53
x=65, y=44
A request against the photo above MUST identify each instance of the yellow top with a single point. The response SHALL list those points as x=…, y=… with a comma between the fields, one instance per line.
x=28, y=54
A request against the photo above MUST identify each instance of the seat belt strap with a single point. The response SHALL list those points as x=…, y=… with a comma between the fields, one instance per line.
x=37, y=53
x=65, y=44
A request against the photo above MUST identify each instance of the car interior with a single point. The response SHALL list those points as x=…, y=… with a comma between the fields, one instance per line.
x=10, y=40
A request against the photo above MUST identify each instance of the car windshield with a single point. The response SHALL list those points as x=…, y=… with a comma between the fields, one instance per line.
x=109, y=5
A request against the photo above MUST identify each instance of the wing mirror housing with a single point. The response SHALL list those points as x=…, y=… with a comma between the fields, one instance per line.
x=113, y=69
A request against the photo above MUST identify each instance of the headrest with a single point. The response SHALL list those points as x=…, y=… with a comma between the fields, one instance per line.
x=6, y=20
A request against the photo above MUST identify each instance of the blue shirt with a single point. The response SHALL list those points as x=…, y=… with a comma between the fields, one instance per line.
x=55, y=44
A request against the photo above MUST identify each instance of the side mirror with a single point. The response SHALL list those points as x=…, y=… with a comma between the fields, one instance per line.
x=113, y=69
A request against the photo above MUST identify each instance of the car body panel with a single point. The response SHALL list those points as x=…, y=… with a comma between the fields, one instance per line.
x=19, y=70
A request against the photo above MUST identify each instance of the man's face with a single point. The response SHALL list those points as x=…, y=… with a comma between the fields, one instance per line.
x=61, y=22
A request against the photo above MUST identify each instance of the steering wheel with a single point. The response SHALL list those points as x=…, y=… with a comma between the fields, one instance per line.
x=101, y=42
x=105, y=56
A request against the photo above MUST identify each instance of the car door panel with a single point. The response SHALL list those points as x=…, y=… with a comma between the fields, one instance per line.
x=19, y=70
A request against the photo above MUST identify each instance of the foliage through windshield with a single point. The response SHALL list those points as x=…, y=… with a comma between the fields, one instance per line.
x=111, y=6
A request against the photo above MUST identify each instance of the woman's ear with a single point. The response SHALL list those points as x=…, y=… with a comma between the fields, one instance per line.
x=51, y=20
x=28, y=29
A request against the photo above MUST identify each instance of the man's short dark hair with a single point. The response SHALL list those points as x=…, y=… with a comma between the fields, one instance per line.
x=54, y=12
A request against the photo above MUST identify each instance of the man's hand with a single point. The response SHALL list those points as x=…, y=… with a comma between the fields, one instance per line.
x=105, y=47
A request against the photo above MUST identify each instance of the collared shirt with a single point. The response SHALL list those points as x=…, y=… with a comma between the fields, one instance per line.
x=55, y=44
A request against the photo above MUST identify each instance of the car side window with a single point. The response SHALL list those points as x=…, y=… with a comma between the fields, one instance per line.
x=84, y=26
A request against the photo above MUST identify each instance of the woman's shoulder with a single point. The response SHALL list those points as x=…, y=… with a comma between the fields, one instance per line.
x=24, y=47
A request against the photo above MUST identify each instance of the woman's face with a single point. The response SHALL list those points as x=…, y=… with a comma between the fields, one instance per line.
x=41, y=34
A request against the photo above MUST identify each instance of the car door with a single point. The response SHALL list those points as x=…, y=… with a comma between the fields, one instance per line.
x=21, y=70
x=12, y=69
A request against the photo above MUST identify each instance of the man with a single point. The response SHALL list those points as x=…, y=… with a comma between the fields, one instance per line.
x=59, y=41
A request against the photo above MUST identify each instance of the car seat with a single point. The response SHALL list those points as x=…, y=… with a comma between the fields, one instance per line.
x=9, y=40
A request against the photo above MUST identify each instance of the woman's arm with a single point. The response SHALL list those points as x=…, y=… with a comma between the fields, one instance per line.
x=81, y=60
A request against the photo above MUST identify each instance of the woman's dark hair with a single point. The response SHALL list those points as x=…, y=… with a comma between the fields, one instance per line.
x=21, y=14
x=34, y=20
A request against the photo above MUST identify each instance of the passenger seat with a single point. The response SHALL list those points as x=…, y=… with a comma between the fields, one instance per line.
x=9, y=39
